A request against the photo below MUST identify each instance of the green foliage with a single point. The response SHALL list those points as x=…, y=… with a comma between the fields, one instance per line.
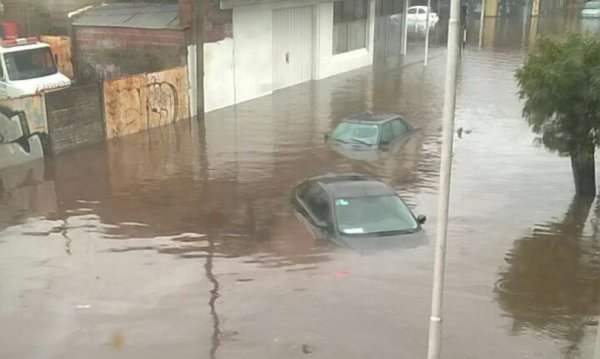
x=560, y=83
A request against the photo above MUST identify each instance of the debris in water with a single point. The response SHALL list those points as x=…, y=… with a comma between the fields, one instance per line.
x=117, y=341
x=307, y=349
x=341, y=274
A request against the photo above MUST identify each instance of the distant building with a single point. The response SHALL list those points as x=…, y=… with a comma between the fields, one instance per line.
x=113, y=40
x=47, y=17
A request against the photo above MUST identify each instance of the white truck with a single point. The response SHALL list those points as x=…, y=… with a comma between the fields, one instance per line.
x=28, y=67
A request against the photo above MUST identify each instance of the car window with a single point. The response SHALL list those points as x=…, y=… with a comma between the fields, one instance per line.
x=399, y=127
x=386, y=133
x=362, y=133
x=378, y=214
x=412, y=11
x=317, y=201
x=421, y=11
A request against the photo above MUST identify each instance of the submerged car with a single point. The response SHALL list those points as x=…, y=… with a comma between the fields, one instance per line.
x=591, y=9
x=370, y=130
x=357, y=211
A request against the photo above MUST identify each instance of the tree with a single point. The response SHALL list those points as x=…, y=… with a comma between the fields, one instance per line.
x=560, y=83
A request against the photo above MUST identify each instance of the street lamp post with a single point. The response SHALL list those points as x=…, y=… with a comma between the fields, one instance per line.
x=199, y=36
x=435, y=326
x=426, y=58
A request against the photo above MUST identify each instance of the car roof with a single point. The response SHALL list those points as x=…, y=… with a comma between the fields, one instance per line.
x=371, y=117
x=352, y=185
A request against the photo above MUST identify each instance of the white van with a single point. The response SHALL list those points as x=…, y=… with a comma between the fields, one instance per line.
x=28, y=67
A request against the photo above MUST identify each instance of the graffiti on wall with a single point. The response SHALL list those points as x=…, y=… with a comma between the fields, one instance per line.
x=17, y=143
x=140, y=102
x=61, y=47
x=34, y=108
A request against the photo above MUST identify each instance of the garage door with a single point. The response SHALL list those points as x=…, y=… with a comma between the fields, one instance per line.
x=292, y=46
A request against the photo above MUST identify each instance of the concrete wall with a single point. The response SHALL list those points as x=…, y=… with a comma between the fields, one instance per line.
x=218, y=75
x=34, y=109
x=140, y=102
x=75, y=118
x=253, y=46
x=61, y=47
x=18, y=144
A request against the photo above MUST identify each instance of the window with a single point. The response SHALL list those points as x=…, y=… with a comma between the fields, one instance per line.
x=380, y=214
x=361, y=133
x=349, y=25
x=317, y=202
x=1, y=71
x=386, y=133
x=412, y=11
x=399, y=127
x=29, y=64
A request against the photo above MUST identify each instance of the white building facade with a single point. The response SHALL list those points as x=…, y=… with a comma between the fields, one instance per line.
x=282, y=43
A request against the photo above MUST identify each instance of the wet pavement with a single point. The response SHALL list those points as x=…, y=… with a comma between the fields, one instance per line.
x=181, y=241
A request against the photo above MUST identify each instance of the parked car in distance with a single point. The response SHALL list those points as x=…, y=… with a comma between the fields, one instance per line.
x=591, y=9
x=357, y=211
x=416, y=18
x=370, y=130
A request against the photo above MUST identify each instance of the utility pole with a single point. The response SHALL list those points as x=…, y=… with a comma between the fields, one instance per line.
x=435, y=325
x=199, y=36
x=404, y=33
x=426, y=58
x=481, y=21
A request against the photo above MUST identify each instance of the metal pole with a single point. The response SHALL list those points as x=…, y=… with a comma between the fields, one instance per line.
x=481, y=20
x=404, y=28
x=597, y=346
x=199, y=33
x=427, y=34
x=435, y=325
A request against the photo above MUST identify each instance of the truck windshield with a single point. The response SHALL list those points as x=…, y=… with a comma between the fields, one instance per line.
x=29, y=64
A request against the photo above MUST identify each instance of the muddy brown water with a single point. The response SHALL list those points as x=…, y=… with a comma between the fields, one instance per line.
x=181, y=241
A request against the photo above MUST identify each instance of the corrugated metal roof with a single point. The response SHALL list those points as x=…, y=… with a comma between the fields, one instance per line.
x=144, y=16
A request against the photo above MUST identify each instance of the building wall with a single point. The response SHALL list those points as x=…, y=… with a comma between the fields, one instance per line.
x=140, y=102
x=253, y=47
x=103, y=53
x=328, y=64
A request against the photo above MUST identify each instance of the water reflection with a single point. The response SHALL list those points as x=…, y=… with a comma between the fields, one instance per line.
x=552, y=280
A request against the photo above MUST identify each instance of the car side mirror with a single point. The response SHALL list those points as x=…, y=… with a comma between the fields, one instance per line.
x=56, y=59
x=384, y=143
x=421, y=219
x=326, y=136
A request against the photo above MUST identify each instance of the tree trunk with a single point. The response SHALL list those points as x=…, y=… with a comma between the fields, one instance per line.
x=584, y=174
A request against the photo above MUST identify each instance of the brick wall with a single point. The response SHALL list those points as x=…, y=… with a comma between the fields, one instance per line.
x=104, y=53
x=75, y=117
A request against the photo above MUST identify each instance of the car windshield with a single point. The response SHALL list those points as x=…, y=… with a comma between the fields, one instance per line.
x=373, y=215
x=592, y=5
x=29, y=64
x=363, y=133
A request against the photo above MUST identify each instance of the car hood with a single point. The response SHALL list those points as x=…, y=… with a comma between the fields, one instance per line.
x=374, y=244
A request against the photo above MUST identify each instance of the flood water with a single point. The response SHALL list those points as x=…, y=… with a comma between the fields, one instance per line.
x=181, y=242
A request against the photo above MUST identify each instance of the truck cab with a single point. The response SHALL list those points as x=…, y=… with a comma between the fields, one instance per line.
x=27, y=67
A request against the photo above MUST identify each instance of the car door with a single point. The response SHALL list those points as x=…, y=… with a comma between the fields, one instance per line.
x=411, y=16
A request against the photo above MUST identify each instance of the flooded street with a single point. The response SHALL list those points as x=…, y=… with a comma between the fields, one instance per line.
x=181, y=242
